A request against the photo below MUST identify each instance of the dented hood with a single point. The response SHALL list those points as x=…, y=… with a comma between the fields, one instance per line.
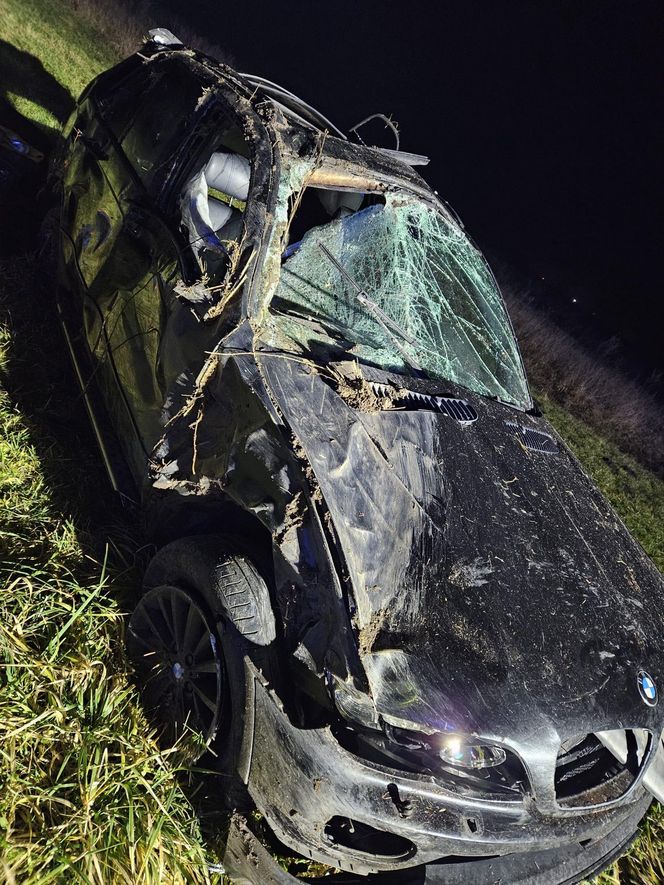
x=494, y=588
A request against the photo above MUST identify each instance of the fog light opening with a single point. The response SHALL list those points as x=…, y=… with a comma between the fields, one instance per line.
x=360, y=838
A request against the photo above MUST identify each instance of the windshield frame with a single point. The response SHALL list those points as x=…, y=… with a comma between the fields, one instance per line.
x=329, y=173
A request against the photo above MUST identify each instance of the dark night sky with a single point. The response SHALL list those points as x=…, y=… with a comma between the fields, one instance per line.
x=542, y=120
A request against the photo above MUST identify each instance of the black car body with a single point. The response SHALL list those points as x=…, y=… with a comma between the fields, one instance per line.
x=469, y=640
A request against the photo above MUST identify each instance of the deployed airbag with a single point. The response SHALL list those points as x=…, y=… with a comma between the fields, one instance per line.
x=228, y=173
x=205, y=215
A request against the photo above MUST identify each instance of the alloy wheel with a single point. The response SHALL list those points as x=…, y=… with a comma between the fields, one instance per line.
x=176, y=657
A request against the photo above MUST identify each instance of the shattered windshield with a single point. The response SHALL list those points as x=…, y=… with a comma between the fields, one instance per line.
x=425, y=277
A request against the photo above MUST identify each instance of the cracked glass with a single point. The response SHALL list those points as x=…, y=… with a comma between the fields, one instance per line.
x=444, y=312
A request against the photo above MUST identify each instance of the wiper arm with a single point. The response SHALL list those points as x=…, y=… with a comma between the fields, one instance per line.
x=387, y=323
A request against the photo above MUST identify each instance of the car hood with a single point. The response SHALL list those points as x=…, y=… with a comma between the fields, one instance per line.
x=495, y=590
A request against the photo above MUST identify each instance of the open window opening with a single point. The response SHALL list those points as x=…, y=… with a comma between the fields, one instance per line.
x=213, y=205
x=319, y=206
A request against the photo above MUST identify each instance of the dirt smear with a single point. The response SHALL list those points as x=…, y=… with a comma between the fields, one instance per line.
x=359, y=393
x=369, y=634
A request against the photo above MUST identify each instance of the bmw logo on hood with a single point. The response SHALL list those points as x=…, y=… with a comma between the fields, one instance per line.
x=647, y=688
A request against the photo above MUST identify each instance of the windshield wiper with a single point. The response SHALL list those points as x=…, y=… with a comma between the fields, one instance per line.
x=387, y=323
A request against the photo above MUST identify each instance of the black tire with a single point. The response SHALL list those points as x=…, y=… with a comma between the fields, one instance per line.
x=230, y=590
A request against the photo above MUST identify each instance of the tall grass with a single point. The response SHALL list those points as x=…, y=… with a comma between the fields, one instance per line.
x=87, y=796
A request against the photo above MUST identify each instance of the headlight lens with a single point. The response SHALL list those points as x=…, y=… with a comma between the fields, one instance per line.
x=354, y=705
x=455, y=750
x=463, y=754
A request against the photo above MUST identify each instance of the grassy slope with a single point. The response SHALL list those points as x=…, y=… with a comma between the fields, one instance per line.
x=66, y=46
x=85, y=785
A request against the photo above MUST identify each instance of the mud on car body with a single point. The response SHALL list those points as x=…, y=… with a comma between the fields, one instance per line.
x=385, y=590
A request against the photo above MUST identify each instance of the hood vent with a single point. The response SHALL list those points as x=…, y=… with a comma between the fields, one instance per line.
x=458, y=409
x=534, y=440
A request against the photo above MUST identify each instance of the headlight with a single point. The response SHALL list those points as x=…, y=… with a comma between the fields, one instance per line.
x=354, y=705
x=462, y=753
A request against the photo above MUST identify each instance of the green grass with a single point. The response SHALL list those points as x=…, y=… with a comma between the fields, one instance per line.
x=85, y=794
x=69, y=50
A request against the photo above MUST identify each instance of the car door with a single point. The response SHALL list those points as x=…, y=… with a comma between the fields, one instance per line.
x=99, y=257
x=118, y=246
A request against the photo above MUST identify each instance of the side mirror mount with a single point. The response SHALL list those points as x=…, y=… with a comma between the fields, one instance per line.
x=163, y=37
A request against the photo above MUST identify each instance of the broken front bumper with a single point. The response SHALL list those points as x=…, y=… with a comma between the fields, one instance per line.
x=336, y=808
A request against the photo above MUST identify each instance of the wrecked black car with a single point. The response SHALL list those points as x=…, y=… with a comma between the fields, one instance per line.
x=385, y=592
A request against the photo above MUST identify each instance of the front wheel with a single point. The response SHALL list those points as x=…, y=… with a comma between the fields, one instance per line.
x=174, y=650
x=204, y=609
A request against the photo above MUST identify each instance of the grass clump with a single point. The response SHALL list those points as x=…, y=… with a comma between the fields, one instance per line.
x=87, y=796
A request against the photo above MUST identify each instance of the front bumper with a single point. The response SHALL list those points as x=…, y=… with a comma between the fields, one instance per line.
x=302, y=779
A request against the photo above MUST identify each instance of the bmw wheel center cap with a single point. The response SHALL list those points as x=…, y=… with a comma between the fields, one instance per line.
x=647, y=688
